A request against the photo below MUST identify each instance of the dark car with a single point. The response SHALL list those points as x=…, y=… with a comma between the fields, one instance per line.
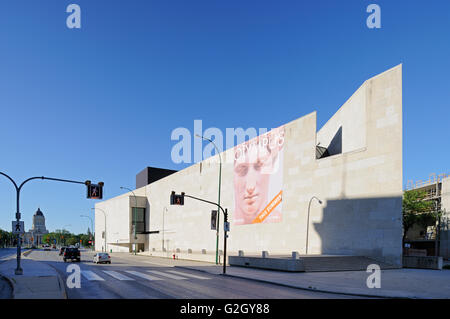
x=72, y=254
x=61, y=251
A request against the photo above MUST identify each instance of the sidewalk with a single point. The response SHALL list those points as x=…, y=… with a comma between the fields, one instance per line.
x=39, y=281
x=395, y=283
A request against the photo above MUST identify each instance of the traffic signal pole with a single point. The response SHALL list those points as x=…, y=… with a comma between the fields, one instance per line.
x=225, y=215
x=19, y=270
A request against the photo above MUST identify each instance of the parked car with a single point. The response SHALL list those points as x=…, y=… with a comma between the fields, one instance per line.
x=100, y=258
x=72, y=254
x=61, y=250
x=46, y=247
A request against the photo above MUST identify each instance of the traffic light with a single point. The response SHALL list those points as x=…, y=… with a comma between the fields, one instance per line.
x=94, y=191
x=177, y=199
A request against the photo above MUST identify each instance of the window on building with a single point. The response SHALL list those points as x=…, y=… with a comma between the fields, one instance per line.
x=138, y=217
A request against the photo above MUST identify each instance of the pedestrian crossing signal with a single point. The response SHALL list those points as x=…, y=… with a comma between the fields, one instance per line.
x=176, y=199
x=95, y=191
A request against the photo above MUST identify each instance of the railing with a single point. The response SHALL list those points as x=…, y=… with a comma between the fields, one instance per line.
x=433, y=179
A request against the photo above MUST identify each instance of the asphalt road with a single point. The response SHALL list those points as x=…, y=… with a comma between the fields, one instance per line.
x=154, y=278
x=6, y=252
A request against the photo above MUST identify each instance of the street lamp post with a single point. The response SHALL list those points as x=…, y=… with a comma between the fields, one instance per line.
x=63, y=232
x=104, y=214
x=19, y=270
x=92, y=223
x=135, y=219
x=164, y=209
x=307, y=223
x=218, y=200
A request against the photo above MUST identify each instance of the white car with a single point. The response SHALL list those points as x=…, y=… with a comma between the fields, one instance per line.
x=102, y=258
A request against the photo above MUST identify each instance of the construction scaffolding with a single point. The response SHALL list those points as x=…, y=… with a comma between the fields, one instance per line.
x=433, y=189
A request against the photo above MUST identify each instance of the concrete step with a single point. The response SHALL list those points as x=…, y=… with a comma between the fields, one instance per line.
x=317, y=263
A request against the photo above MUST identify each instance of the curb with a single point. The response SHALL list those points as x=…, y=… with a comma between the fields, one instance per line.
x=62, y=286
x=304, y=288
x=11, y=284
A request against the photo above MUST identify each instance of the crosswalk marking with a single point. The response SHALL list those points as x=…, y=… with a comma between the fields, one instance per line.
x=166, y=275
x=145, y=276
x=172, y=274
x=186, y=274
x=157, y=264
x=90, y=275
x=117, y=275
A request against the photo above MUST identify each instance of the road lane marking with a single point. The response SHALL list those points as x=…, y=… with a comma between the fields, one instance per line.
x=158, y=264
x=186, y=274
x=145, y=276
x=166, y=275
x=90, y=275
x=117, y=275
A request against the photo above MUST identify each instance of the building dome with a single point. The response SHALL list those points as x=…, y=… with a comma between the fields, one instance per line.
x=38, y=213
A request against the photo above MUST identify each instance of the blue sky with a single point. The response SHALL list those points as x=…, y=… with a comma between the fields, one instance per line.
x=100, y=102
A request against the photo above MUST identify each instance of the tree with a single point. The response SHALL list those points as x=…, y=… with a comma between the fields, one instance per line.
x=417, y=210
x=6, y=238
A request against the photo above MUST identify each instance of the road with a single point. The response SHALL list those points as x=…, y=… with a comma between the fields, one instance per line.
x=139, y=277
x=7, y=252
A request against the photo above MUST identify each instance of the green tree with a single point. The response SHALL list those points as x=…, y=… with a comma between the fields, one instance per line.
x=417, y=210
x=6, y=238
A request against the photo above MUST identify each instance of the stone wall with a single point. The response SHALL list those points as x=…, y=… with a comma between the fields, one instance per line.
x=360, y=187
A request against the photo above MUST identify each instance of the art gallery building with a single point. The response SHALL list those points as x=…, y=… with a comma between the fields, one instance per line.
x=336, y=190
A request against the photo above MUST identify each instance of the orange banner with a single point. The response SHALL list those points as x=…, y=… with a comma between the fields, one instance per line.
x=269, y=208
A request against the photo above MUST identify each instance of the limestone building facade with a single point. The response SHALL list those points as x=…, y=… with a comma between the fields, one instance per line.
x=336, y=190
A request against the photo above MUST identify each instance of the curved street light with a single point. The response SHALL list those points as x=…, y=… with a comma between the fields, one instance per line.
x=218, y=200
x=104, y=213
x=62, y=231
x=135, y=211
x=164, y=209
x=307, y=223
x=92, y=223
x=19, y=270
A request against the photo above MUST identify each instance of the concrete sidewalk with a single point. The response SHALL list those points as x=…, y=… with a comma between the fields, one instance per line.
x=395, y=283
x=39, y=281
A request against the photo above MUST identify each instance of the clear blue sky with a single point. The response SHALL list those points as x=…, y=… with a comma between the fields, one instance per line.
x=100, y=103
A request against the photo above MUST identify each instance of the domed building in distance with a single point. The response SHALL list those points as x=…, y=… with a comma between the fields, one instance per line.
x=37, y=231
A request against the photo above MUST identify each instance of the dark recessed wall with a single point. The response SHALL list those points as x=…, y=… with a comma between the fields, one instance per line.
x=151, y=174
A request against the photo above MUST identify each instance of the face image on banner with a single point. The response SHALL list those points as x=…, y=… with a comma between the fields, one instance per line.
x=258, y=179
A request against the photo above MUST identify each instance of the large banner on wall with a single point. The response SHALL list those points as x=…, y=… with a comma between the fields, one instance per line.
x=258, y=179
